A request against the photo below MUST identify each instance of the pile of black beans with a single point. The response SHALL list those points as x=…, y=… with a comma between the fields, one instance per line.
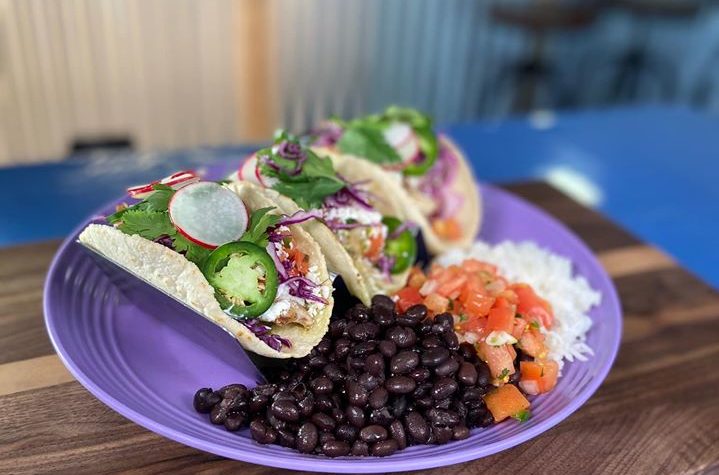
x=376, y=383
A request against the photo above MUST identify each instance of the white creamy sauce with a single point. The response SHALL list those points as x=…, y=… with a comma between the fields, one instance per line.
x=356, y=213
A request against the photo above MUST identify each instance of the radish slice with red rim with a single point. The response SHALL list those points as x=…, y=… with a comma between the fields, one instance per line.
x=208, y=214
x=175, y=181
x=403, y=139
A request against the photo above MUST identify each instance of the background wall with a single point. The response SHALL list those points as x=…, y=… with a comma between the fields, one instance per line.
x=176, y=73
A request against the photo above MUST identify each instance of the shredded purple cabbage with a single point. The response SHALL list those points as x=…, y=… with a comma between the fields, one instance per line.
x=326, y=135
x=302, y=287
x=262, y=331
x=405, y=226
x=436, y=183
x=385, y=264
x=281, y=270
x=165, y=241
x=290, y=151
x=299, y=217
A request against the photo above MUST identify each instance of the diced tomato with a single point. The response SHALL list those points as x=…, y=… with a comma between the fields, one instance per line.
x=436, y=304
x=448, y=228
x=532, y=305
x=452, y=288
x=416, y=277
x=376, y=245
x=473, y=323
x=478, y=305
x=300, y=262
x=408, y=297
x=505, y=401
x=498, y=358
x=501, y=318
x=538, y=376
x=520, y=325
x=473, y=266
x=532, y=343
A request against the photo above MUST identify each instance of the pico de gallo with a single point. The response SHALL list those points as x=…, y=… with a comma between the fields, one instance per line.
x=505, y=321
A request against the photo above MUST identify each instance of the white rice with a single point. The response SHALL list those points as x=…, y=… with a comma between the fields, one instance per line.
x=552, y=278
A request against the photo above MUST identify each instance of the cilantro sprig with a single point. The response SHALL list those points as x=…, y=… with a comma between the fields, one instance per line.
x=150, y=219
x=260, y=221
x=522, y=416
x=315, y=179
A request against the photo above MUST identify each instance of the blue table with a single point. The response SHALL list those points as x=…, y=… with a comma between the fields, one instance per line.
x=652, y=169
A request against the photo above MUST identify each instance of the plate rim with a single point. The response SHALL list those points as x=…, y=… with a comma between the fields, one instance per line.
x=325, y=464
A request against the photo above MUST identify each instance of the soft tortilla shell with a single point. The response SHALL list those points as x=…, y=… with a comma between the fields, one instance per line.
x=173, y=274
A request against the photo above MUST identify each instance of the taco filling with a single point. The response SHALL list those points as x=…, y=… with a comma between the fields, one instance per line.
x=259, y=272
x=403, y=142
x=381, y=246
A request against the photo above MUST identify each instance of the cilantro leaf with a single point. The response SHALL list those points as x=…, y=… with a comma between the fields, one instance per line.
x=534, y=324
x=193, y=252
x=367, y=141
x=316, y=180
x=523, y=416
x=148, y=224
x=260, y=221
x=503, y=374
x=160, y=199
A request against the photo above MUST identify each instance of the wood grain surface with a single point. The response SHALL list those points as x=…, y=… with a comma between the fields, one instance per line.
x=657, y=412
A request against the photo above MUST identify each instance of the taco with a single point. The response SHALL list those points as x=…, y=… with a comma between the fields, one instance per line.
x=440, y=192
x=231, y=255
x=365, y=239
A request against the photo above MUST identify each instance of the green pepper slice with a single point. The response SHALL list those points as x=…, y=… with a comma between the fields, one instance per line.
x=403, y=247
x=244, y=277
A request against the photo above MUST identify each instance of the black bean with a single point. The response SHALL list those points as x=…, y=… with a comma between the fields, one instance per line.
x=347, y=432
x=355, y=416
x=205, y=399
x=258, y=402
x=273, y=421
x=317, y=361
x=400, y=384
x=431, y=341
x=384, y=317
x=442, y=417
x=422, y=389
x=261, y=433
x=218, y=414
x=335, y=448
x=404, y=337
x=399, y=406
x=325, y=436
x=355, y=363
x=451, y=341
x=404, y=362
x=459, y=408
x=363, y=349
x=424, y=327
x=265, y=390
x=487, y=420
x=342, y=347
x=364, y=331
x=387, y=348
x=468, y=351
x=370, y=381
x=333, y=372
x=460, y=432
x=374, y=364
x=232, y=390
x=467, y=374
x=356, y=393
x=443, y=403
x=437, y=329
x=417, y=427
x=514, y=377
x=434, y=356
x=337, y=328
x=307, y=437
x=360, y=448
x=384, y=448
x=382, y=301
x=373, y=433
x=359, y=313
x=420, y=374
x=283, y=395
x=445, y=320
x=321, y=385
x=413, y=315
x=442, y=434
x=323, y=421
x=424, y=402
x=378, y=398
x=472, y=394
x=396, y=431
x=444, y=387
x=447, y=368
x=380, y=416
x=323, y=403
x=324, y=346
x=286, y=438
x=235, y=422
x=338, y=415
x=285, y=410
x=484, y=377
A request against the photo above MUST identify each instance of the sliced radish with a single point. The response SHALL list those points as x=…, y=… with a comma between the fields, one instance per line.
x=208, y=214
x=403, y=139
x=250, y=171
x=176, y=181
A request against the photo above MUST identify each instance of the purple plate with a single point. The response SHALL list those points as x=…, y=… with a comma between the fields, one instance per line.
x=146, y=365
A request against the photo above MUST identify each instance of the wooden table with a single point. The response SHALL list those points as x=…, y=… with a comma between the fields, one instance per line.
x=658, y=411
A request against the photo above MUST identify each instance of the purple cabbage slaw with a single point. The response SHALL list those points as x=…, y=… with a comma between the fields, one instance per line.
x=435, y=183
x=326, y=135
x=262, y=331
x=290, y=151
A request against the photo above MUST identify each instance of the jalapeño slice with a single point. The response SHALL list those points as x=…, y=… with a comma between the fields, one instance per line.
x=244, y=277
x=402, y=247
